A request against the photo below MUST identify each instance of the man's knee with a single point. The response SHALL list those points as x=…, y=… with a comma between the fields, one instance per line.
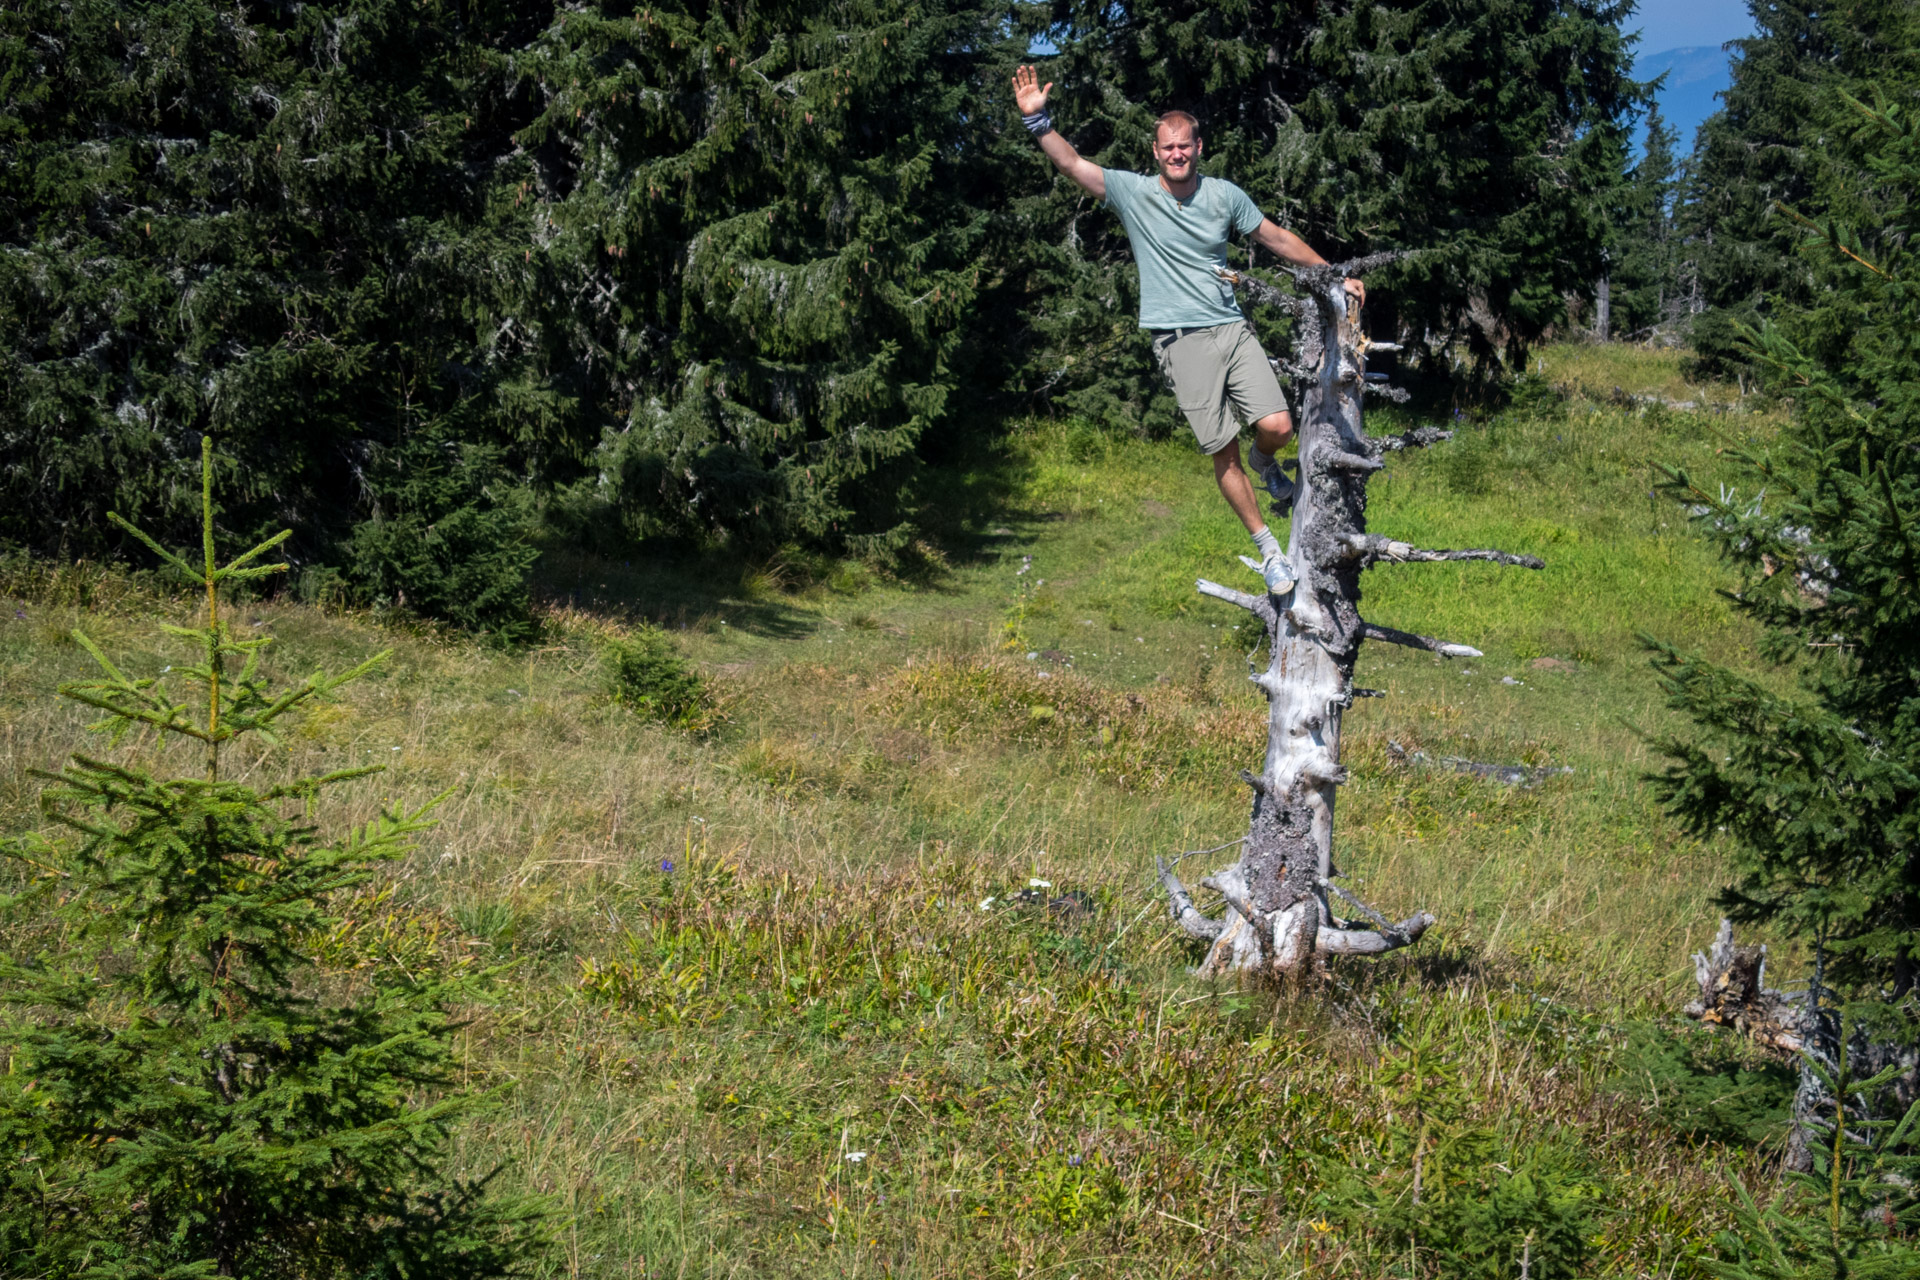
x=1278, y=423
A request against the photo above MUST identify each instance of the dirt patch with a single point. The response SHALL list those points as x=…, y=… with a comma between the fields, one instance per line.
x=1157, y=509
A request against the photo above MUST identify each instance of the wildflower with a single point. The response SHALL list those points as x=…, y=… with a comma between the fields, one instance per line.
x=1322, y=1225
x=1037, y=883
x=666, y=865
x=855, y=1157
x=986, y=904
x=1074, y=1161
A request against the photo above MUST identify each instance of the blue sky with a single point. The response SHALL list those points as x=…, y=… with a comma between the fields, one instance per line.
x=1683, y=39
x=1677, y=24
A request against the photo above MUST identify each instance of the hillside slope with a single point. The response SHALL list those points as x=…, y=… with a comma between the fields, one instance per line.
x=777, y=1004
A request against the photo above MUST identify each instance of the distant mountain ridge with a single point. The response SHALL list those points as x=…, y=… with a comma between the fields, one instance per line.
x=1695, y=74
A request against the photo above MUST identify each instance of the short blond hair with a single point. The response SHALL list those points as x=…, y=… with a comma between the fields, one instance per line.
x=1176, y=117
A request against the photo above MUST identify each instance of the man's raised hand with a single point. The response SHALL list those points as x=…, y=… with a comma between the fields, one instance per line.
x=1031, y=97
x=1028, y=93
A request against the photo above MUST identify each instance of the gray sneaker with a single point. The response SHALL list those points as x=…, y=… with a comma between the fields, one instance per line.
x=1279, y=485
x=1274, y=571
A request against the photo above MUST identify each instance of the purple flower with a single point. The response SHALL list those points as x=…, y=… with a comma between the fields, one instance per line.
x=1074, y=1160
x=666, y=865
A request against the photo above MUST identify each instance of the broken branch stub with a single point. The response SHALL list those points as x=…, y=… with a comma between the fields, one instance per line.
x=1277, y=916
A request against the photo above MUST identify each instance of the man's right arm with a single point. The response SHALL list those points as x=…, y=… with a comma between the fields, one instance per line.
x=1031, y=97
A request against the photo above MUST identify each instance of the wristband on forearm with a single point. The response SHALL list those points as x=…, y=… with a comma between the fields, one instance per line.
x=1039, y=124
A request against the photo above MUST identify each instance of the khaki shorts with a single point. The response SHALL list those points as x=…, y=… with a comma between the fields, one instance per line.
x=1221, y=378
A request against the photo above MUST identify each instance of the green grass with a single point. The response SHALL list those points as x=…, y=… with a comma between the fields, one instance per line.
x=1610, y=371
x=696, y=1054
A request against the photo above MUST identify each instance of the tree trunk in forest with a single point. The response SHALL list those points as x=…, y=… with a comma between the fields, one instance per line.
x=1279, y=894
x=1603, y=308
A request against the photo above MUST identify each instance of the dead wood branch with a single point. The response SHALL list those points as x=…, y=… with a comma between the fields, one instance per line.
x=1251, y=603
x=1180, y=906
x=1374, y=549
x=1337, y=460
x=1418, y=438
x=1445, y=648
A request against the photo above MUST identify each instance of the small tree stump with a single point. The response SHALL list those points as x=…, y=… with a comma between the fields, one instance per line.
x=1733, y=993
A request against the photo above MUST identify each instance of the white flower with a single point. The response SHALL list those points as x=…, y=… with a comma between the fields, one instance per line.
x=986, y=904
x=855, y=1157
x=1038, y=883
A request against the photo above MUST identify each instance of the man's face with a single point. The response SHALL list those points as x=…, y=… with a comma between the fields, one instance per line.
x=1175, y=150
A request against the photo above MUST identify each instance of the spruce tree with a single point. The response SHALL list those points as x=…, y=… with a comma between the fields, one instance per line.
x=425, y=269
x=768, y=225
x=1644, y=258
x=267, y=222
x=180, y=1099
x=1776, y=146
x=1855, y=1214
x=1818, y=789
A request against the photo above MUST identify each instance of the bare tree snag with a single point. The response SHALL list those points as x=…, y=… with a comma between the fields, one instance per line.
x=1278, y=895
x=1802, y=1026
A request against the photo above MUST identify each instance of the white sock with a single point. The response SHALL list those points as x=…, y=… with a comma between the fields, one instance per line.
x=1262, y=462
x=1268, y=544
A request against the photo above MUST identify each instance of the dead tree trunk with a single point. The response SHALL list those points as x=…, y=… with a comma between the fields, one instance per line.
x=1279, y=913
x=1803, y=1026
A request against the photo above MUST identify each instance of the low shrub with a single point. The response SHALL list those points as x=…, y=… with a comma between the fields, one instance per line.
x=645, y=674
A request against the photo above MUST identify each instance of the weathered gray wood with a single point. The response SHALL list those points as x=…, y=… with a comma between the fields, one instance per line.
x=1734, y=993
x=1278, y=917
x=1374, y=549
x=1393, y=635
x=1732, y=980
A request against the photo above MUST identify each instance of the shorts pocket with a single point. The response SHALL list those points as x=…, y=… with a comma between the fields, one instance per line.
x=1194, y=373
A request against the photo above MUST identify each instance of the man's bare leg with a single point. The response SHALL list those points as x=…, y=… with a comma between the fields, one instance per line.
x=1238, y=491
x=1236, y=488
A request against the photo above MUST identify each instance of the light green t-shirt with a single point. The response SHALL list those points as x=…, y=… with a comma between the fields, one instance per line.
x=1181, y=246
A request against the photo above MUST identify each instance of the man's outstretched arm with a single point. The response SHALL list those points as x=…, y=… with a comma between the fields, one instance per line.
x=1031, y=97
x=1291, y=248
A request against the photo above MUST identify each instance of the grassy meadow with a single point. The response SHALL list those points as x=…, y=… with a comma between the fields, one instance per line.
x=775, y=1003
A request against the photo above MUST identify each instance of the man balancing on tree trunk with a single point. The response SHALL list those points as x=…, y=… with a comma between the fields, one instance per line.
x=1178, y=223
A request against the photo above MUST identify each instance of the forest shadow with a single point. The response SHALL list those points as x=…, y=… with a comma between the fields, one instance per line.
x=976, y=501
x=971, y=510
x=674, y=585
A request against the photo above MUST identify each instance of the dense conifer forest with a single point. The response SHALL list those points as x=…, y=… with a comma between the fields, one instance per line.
x=449, y=282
